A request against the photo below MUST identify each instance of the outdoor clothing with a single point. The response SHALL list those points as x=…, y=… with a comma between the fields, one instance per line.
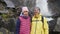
x=23, y=25
x=38, y=27
x=25, y=9
x=18, y=26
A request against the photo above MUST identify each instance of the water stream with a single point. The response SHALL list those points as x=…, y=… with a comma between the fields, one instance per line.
x=43, y=4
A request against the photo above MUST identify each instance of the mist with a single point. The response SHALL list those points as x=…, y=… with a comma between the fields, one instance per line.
x=43, y=4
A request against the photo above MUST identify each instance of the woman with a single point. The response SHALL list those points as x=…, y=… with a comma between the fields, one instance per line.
x=23, y=23
x=39, y=23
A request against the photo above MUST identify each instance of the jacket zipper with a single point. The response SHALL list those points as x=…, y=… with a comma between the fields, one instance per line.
x=36, y=26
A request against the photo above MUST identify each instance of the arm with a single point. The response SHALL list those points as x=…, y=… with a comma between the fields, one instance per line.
x=18, y=26
x=46, y=28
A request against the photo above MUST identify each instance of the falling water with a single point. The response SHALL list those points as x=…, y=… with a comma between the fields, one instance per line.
x=43, y=4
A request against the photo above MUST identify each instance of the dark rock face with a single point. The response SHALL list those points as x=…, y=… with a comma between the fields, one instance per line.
x=57, y=27
x=9, y=12
x=54, y=6
x=3, y=31
x=18, y=3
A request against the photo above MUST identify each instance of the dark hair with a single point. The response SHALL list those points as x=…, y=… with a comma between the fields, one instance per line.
x=37, y=8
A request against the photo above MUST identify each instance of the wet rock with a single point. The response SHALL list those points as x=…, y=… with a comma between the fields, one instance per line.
x=9, y=10
x=3, y=31
x=54, y=6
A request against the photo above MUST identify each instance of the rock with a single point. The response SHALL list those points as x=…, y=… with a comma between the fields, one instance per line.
x=1, y=6
x=54, y=6
x=3, y=31
x=57, y=26
x=9, y=10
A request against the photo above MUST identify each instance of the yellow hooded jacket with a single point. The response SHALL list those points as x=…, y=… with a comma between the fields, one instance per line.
x=38, y=27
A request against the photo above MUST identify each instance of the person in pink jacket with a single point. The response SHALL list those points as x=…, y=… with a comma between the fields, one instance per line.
x=23, y=22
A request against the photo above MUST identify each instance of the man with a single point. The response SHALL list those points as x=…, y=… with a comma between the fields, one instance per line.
x=39, y=23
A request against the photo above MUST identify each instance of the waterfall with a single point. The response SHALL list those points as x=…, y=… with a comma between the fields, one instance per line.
x=43, y=4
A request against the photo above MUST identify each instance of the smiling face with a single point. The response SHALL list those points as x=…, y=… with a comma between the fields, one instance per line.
x=36, y=11
x=25, y=12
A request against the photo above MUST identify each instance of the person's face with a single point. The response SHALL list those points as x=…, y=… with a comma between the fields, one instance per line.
x=36, y=11
x=25, y=13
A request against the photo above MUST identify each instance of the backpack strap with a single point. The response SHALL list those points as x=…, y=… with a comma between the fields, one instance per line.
x=42, y=19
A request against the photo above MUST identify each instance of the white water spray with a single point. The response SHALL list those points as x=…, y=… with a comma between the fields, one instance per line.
x=44, y=7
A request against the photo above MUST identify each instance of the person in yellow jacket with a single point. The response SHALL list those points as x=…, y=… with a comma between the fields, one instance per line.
x=39, y=26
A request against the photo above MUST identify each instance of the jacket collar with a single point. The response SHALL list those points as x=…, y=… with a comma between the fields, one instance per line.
x=37, y=16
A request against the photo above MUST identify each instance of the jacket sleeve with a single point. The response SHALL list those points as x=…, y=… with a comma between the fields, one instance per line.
x=18, y=26
x=46, y=27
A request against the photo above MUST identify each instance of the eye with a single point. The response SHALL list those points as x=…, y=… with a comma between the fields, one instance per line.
x=25, y=11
